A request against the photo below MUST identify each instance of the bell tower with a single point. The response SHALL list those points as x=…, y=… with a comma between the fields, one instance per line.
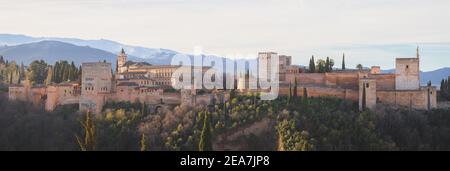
x=121, y=60
x=417, y=52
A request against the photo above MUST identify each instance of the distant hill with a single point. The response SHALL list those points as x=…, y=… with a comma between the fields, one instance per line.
x=52, y=51
x=152, y=55
x=434, y=76
x=22, y=48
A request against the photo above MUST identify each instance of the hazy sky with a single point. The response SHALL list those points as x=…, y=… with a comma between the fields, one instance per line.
x=300, y=28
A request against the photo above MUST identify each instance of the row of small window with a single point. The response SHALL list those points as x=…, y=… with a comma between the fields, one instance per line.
x=163, y=74
x=65, y=91
x=146, y=82
x=92, y=88
x=162, y=83
x=148, y=90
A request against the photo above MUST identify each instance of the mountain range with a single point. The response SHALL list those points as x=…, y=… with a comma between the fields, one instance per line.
x=25, y=49
x=435, y=76
x=152, y=55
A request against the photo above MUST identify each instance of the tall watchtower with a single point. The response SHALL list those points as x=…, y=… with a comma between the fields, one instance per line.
x=407, y=73
x=96, y=85
x=367, y=94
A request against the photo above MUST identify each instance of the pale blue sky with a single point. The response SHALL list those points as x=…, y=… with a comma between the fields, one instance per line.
x=360, y=28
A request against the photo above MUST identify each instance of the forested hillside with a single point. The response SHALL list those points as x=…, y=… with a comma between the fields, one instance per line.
x=291, y=124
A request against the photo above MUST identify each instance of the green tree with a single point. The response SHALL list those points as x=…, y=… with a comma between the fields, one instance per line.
x=327, y=65
x=63, y=71
x=290, y=139
x=205, y=143
x=73, y=72
x=48, y=80
x=38, y=71
x=359, y=67
x=290, y=94
x=56, y=72
x=80, y=71
x=448, y=88
x=321, y=66
x=364, y=97
x=22, y=71
x=312, y=65
x=88, y=144
x=330, y=64
x=143, y=143
x=11, y=75
x=295, y=88
x=304, y=103
x=343, y=61
x=305, y=93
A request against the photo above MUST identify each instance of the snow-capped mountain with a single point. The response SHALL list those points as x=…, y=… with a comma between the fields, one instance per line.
x=152, y=55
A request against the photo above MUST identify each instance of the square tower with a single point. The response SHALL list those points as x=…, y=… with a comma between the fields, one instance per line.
x=407, y=72
x=285, y=62
x=367, y=93
x=265, y=64
x=96, y=85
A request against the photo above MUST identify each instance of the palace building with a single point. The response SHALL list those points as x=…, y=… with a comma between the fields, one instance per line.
x=368, y=87
x=152, y=84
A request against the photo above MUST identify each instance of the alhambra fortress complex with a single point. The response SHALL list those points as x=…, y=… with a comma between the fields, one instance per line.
x=152, y=84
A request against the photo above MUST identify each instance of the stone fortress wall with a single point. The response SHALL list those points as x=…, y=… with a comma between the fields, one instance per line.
x=400, y=89
x=146, y=83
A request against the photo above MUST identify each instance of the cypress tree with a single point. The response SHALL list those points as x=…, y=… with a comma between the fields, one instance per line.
x=225, y=112
x=73, y=72
x=88, y=144
x=364, y=97
x=445, y=90
x=55, y=72
x=79, y=74
x=290, y=93
x=143, y=109
x=48, y=80
x=295, y=88
x=309, y=65
x=312, y=65
x=304, y=99
x=327, y=65
x=305, y=93
x=22, y=71
x=343, y=61
x=143, y=143
x=205, y=143
x=448, y=88
x=313, y=62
